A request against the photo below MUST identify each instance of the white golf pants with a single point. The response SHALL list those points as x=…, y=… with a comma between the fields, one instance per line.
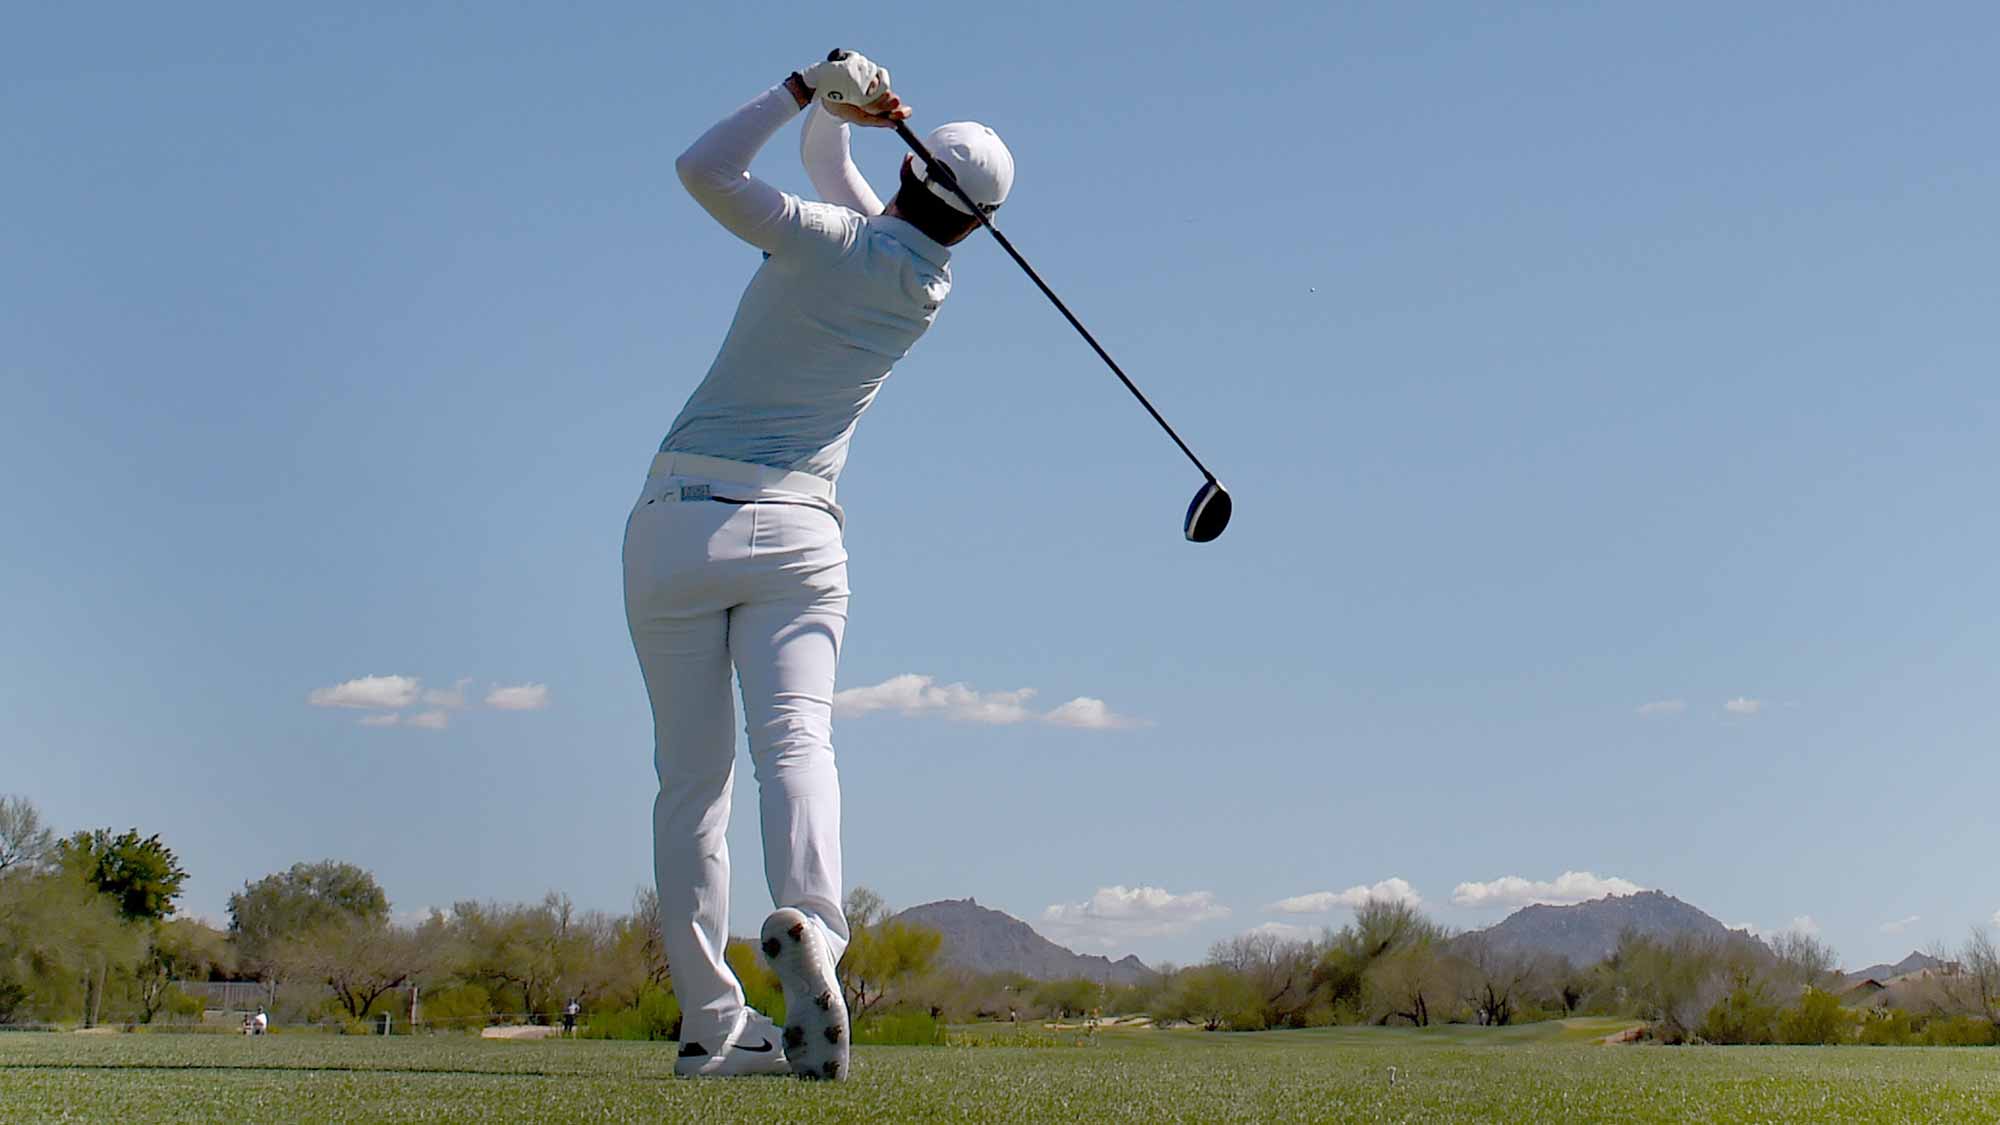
x=762, y=586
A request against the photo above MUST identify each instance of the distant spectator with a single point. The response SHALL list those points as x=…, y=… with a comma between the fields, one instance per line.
x=260, y=1023
x=569, y=1016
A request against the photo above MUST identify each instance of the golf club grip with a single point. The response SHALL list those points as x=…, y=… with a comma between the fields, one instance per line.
x=945, y=176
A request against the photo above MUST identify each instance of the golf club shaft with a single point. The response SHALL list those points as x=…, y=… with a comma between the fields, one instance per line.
x=944, y=175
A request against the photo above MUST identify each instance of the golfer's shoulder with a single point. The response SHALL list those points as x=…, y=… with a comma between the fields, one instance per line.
x=829, y=222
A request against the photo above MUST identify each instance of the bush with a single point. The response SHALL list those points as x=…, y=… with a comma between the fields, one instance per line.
x=900, y=1029
x=1959, y=1031
x=1892, y=1028
x=1816, y=1019
x=657, y=1016
x=1743, y=1016
x=461, y=1005
x=761, y=989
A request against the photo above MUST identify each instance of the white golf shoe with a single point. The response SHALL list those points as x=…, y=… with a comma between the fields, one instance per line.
x=754, y=1049
x=816, y=1031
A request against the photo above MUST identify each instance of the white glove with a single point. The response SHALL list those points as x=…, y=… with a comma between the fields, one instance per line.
x=847, y=77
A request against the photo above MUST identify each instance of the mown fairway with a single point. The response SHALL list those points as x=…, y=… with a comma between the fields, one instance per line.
x=1537, y=1074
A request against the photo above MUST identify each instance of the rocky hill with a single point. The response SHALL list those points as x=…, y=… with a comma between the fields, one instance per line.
x=1587, y=932
x=988, y=941
x=1915, y=962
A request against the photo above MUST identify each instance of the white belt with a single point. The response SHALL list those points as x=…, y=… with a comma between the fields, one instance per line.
x=738, y=472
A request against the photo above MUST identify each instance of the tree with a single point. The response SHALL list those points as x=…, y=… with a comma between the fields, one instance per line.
x=1493, y=976
x=182, y=949
x=362, y=959
x=1212, y=997
x=541, y=953
x=881, y=952
x=283, y=906
x=1802, y=961
x=25, y=842
x=1072, y=997
x=59, y=941
x=1280, y=973
x=141, y=874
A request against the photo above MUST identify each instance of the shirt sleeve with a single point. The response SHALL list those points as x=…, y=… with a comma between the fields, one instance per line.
x=823, y=149
x=715, y=170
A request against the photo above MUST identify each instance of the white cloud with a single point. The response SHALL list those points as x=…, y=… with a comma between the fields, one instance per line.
x=430, y=720
x=450, y=698
x=1996, y=917
x=1511, y=891
x=1392, y=889
x=385, y=693
x=1743, y=705
x=1285, y=930
x=1089, y=714
x=1901, y=924
x=1659, y=708
x=388, y=720
x=1804, y=924
x=519, y=697
x=915, y=695
x=911, y=694
x=1132, y=912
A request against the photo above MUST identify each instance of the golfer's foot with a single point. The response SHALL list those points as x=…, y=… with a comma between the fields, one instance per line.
x=755, y=1049
x=815, y=1014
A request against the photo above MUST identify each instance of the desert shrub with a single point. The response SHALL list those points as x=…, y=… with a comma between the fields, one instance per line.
x=1817, y=1018
x=459, y=1006
x=179, y=1004
x=1958, y=1031
x=900, y=1029
x=1892, y=1028
x=656, y=1016
x=761, y=989
x=1742, y=1016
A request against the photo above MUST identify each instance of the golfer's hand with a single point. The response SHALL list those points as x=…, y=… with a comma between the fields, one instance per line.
x=847, y=78
x=878, y=114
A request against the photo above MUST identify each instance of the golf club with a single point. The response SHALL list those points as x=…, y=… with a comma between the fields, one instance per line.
x=1208, y=514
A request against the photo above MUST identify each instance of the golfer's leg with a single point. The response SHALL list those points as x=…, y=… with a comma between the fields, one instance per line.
x=685, y=661
x=786, y=650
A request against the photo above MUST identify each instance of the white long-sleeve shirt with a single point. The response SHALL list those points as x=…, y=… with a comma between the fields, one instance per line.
x=842, y=295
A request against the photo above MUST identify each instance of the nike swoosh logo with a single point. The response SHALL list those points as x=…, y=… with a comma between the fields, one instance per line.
x=761, y=1048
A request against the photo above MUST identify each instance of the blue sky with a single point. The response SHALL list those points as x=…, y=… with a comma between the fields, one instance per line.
x=1578, y=374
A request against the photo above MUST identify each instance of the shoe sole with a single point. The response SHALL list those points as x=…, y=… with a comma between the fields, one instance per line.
x=816, y=1031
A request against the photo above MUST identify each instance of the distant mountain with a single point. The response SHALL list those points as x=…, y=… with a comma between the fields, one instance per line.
x=1588, y=932
x=988, y=941
x=1915, y=962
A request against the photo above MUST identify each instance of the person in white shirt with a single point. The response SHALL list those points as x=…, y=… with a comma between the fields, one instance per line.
x=733, y=553
x=260, y=1023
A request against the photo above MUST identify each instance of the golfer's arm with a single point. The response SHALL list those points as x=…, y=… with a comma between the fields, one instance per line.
x=823, y=150
x=715, y=170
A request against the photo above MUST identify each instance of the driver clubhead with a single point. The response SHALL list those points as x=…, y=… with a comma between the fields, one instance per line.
x=1208, y=514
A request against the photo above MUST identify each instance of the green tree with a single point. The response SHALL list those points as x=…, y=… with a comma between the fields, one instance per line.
x=1211, y=997
x=539, y=954
x=60, y=940
x=361, y=960
x=141, y=874
x=286, y=905
x=1074, y=996
x=182, y=949
x=881, y=952
x=1817, y=1018
x=1745, y=1015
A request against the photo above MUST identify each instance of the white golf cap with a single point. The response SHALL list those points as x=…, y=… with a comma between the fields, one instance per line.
x=977, y=157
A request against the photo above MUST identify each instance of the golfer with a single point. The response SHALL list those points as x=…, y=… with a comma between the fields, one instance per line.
x=733, y=552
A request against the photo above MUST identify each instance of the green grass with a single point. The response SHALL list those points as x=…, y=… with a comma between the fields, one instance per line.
x=1540, y=1073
